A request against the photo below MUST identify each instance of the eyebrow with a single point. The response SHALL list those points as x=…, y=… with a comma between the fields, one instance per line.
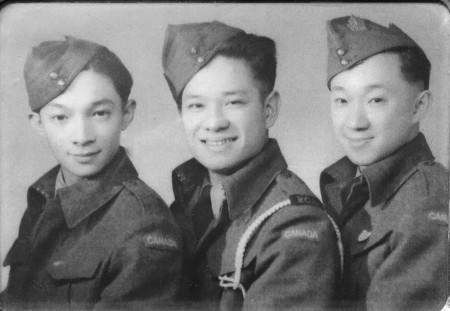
x=235, y=92
x=103, y=101
x=368, y=88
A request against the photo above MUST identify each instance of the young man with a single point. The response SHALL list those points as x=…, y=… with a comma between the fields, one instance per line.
x=93, y=235
x=258, y=238
x=390, y=197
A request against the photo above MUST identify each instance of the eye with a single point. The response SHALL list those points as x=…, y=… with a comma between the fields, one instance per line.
x=102, y=113
x=59, y=117
x=236, y=102
x=340, y=101
x=377, y=100
x=194, y=106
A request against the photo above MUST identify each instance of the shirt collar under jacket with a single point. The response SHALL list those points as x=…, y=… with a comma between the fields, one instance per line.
x=386, y=176
x=81, y=199
x=243, y=188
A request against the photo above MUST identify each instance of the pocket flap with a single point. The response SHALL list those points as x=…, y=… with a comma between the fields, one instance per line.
x=83, y=265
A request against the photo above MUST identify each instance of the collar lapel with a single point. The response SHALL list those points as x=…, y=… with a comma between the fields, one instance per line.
x=246, y=186
x=386, y=176
x=80, y=200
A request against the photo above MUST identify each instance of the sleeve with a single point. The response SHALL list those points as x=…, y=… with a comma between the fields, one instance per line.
x=144, y=273
x=298, y=264
x=414, y=274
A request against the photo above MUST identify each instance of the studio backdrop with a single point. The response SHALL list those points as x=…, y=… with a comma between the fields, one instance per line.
x=135, y=32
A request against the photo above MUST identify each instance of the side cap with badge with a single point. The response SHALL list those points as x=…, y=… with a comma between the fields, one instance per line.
x=188, y=48
x=53, y=65
x=352, y=39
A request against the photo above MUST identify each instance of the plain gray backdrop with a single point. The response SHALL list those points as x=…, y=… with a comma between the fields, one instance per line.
x=135, y=32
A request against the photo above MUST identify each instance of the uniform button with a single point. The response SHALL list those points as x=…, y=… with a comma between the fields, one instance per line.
x=344, y=62
x=53, y=75
x=340, y=52
x=364, y=235
x=200, y=59
x=193, y=50
x=61, y=82
x=58, y=263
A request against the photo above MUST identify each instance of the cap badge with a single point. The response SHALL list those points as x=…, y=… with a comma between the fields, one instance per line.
x=356, y=24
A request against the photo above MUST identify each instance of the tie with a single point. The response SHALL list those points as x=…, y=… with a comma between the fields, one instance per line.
x=354, y=196
x=217, y=198
x=202, y=213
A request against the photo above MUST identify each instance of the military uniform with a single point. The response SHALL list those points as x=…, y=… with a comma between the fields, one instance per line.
x=287, y=260
x=393, y=212
x=396, y=242
x=107, y=241
x=104, y=243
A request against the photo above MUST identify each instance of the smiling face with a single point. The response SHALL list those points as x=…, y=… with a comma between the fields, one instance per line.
x=374, y=110
x=224, y=118
x=83, y=125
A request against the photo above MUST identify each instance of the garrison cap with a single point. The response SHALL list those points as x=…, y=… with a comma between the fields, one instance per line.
x=352, y=39
x=189, y=47
x=53, y=65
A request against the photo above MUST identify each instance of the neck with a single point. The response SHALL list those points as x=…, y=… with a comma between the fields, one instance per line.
x=69, y=178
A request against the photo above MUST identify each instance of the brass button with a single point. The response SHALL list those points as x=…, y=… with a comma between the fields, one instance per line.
x=340, y=52
x=344, y=62
x=53, y=75
x=200, y=59
x=61, y=82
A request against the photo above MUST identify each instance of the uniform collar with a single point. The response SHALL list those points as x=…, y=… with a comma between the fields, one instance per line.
x=387, y=175
x=81, y=199
x=243, y=188
x=383, y=177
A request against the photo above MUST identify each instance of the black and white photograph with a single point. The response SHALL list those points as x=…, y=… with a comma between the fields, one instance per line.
x=224, y=156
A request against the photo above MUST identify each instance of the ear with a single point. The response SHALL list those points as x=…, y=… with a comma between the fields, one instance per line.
x=128, y=113
x=36, y=123
x=271, y=108
x=421, y=104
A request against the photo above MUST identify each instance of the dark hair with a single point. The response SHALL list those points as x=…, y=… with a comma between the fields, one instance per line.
x=259, y=53
x=414, y=65
x=107, y=63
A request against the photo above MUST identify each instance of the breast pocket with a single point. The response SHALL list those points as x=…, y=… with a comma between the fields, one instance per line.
x=367, y=255
x=80, y=276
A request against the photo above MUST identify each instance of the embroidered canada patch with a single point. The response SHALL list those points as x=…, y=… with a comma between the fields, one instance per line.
x=301, y=233
x=441, y=217
x=154, y=240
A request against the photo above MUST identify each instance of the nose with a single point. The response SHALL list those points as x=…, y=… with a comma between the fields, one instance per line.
x=216, y=119
x=82, y=132
x=357, y=117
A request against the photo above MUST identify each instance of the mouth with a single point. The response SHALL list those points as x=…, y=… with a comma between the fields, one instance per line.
x=358, y=141
x=85, y=156
x=218, y=142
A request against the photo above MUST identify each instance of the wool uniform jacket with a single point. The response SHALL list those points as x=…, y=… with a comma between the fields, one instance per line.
x=105, y=243
x=290, y=258
x=396, y=243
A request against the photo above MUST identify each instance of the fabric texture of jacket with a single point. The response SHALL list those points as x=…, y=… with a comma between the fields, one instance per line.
x=396, y=242
x=291, y=260
x=109, y=242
